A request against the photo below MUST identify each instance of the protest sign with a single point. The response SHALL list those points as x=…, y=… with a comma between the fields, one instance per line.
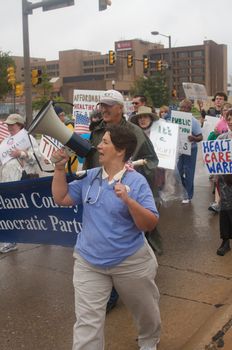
x=48, y=145
x=30, y=215
x=184, y=120
x=84, y=102
x=164, y=137
x=217, y=156
x=20, y=141
x=208, y=126
x=194, y=91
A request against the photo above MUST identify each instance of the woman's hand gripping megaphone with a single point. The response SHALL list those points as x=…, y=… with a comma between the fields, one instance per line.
x=60, y=157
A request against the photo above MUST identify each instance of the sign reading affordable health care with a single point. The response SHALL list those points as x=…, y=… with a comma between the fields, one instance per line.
x=164, y=137
x=84, y=102
x=184, y=120
x=217, y=156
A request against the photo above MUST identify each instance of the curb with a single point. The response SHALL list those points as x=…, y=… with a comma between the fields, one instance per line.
x=211, y=326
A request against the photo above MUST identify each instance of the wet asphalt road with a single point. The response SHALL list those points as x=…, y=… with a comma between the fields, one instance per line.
x=36, y=293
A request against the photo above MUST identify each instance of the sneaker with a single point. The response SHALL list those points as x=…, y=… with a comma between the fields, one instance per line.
x=185, y=201
x=224, y=247
x=215, y=207
x=8, y=247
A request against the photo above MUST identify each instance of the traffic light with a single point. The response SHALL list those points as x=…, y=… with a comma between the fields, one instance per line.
x=130, y=61
x=19, y=90
x=111, y=57
x=11, y=75
x=146, y=64
x=102, y=4
x=36, y=76
x=159, y=65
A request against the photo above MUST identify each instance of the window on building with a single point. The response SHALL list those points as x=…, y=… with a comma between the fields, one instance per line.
x=183, y=54
x=183, y=71
x=198, y=71
x=198, y=62
x=183, y=79
x=198, y=79
x=88, y=70
x=184, y=63
x=88, y=63
x=99, y=69
x=99, y=62
x=198, y=53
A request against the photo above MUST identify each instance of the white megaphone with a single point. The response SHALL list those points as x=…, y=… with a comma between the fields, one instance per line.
x=48, y=123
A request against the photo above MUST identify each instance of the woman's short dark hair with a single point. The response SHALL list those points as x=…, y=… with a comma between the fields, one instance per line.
x=123, y=139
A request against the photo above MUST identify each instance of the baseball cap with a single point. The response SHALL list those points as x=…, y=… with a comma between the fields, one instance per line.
x=58, y=110
x=111, y=97
x=14, y=118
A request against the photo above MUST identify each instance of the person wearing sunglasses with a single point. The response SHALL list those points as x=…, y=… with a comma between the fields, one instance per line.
x=138, y=101
x=111, y=249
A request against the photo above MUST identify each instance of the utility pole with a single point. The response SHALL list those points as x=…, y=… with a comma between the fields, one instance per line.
x=27, y=9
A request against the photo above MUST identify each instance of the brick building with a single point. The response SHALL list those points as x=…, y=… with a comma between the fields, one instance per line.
x=82, y=69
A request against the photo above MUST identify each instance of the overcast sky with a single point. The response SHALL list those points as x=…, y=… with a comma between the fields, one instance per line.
x=82, y=26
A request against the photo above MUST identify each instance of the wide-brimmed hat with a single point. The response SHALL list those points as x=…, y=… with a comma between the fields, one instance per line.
x=112, y=97
x=144, y=110
x=14, y=118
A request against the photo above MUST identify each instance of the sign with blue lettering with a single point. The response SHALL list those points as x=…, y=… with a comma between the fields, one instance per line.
x=217, y=156
x=184, y=120
x=29, y=214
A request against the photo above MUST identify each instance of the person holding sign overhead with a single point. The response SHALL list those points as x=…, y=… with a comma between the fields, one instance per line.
x=187, y=163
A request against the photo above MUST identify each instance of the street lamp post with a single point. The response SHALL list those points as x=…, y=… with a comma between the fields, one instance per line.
x=27, y=9
x=170, y=67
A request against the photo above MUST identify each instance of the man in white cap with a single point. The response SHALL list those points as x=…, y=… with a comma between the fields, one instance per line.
x=111, y=106
x=19, y=160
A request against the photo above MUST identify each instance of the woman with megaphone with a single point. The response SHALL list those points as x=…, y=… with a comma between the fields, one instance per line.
x=111, y=249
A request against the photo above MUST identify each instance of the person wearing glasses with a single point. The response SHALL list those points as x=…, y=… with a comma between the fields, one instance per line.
x=138, y=101
x=111, y=249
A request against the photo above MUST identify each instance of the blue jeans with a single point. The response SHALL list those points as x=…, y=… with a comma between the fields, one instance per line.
x=186, y=167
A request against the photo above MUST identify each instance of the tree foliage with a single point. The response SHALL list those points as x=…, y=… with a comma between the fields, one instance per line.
x=5, y=62
x=153, y=87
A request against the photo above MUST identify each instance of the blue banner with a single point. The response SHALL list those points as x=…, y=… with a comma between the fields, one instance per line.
x=28, y=214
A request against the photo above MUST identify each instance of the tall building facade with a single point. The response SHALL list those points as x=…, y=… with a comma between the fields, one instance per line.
x=204, y=64
x=90, y=70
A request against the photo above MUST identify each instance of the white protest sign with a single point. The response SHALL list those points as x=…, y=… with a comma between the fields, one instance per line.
x=217, y=156
x=195, y=91
x=208, y=126
x=48, y=145
x=128, y=108
x=184, y=120
x=84, y=102
x=19, y=141
x=164, y=137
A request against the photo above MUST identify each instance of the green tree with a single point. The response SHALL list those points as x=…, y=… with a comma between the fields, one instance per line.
x=5, y=62
x=153, y=87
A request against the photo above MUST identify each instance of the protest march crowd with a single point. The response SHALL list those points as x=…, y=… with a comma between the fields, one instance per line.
x=125, y=181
